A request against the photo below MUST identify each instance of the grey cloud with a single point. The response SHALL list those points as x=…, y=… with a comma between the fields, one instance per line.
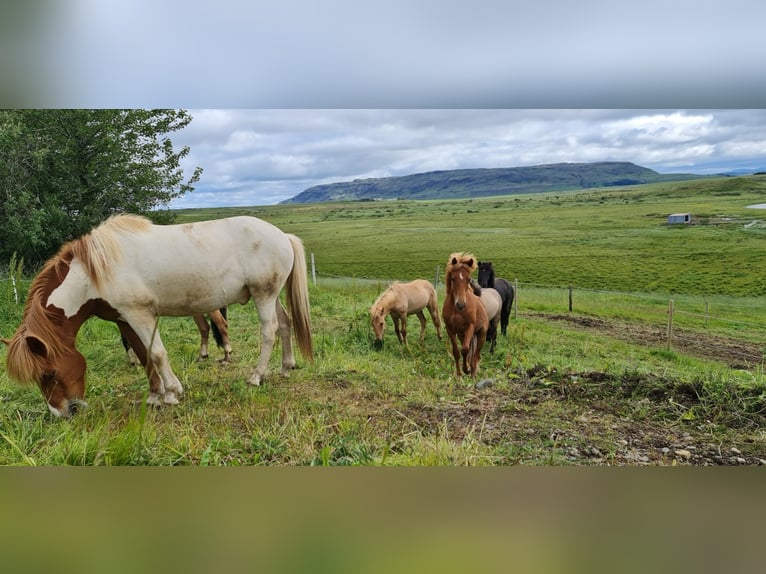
x=265, y=156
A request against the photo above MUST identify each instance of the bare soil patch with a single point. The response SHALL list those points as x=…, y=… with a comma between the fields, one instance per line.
x=733, y=352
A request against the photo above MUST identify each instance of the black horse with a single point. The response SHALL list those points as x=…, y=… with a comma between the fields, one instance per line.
x=503, y=286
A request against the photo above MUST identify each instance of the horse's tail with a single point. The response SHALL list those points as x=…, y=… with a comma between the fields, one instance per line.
x=216, y=331
x=298, y=298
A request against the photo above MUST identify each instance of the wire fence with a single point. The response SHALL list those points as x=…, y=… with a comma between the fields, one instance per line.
x=728, y=328
x=731, y=327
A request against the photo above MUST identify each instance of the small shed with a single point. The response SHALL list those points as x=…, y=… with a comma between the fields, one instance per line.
x=675, y=218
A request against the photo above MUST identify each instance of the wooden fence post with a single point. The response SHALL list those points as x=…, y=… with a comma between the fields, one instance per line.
x=516, y=297
x=436, y=281
x=313, y=270
x=670, y=322
x=570, y=298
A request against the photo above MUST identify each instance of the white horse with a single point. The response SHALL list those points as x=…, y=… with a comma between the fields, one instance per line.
x=129, y=271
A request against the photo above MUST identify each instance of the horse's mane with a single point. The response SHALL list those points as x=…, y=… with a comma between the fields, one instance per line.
x=39, y=322
x=383, y=297
x=487, y=266
x=97, y=250
x=462, y=259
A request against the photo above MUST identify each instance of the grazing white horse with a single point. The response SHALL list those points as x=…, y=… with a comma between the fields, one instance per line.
x=129, y=271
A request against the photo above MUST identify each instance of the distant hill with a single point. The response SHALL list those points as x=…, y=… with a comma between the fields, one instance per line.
x=466, y=183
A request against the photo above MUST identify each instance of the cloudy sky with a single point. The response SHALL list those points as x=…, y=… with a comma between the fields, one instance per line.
x=293, y=93
x=261, y=157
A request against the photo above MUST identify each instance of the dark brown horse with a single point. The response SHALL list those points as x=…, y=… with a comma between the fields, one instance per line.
x=464, y=315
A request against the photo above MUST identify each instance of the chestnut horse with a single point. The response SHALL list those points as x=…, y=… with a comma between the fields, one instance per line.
x=131, y=272
x=503, y=286
x=218, y=324
x=464, y=316
x=401, y=300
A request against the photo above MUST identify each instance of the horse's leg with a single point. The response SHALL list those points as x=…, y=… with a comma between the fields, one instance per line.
x=434, y=312
x=132, y=357
x=466, y=348
x=144, y=324
x=139, y=351
x=220, y=323
x=397, y=320
x=267, y=312
x=492, y=334
x=481, y=337
x=455, y=352
x=283, y=322
x=403, y=319
x=422, y=319
x=204, y=334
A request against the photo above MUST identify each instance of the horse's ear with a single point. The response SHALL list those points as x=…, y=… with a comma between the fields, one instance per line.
x=36, y=346
x=454, y=261
x=470, y=263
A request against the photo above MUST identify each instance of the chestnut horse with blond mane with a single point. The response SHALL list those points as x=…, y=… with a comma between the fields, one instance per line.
x=464, y=315
x=401, y=300
x=131, y=272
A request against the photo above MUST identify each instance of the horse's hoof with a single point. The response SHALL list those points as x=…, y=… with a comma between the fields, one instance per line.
x=154, y=400
x=170, y=399
x=255, y=380
x=202, y=358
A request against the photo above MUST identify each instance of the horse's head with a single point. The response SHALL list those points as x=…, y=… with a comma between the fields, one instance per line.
x=458, y=278
x=60, y=375
x=378, y=322
x=486, y=274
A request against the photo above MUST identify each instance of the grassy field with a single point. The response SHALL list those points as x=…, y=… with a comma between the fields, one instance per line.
x=598, y=385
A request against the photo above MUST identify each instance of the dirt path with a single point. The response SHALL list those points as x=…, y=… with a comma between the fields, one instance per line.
x=735, y=353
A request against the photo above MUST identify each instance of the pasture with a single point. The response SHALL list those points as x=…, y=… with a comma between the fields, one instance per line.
x=594, y=386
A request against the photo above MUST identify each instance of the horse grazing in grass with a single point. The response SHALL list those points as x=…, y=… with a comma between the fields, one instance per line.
x=503, y=286
x=464, y=316
x=131, y=272
x=401, y=300
x=218, y=324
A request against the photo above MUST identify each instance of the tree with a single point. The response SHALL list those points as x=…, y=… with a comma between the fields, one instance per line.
x=64, y=171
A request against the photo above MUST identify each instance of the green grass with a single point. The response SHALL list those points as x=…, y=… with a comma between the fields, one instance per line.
x=561, y=382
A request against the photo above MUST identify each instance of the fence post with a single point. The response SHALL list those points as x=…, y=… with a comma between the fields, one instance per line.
x=15, y=291
x=516, y=297
x=570, y=298
x=706, y=311
x=436, y=280
x=670, y=322
x=313, y=270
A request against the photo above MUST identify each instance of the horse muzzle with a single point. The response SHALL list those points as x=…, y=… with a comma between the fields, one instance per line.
x=69, y=409
x=459, y=304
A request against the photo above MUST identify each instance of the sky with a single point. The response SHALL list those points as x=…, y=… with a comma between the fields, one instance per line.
x=289, y=94
x=262, y=157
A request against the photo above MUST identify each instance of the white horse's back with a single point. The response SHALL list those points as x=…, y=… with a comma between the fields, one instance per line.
x=492, y=301
x=196, y=267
